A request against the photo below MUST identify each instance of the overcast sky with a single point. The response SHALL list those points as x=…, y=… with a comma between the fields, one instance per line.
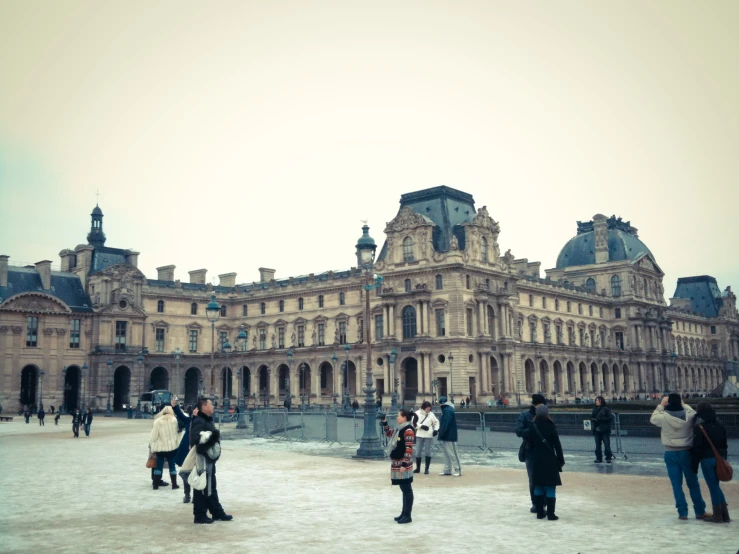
x=234, y=135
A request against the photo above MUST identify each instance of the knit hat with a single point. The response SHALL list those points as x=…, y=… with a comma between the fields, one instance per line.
x=442, y=400
x=542, y=411
x=674, y=403
x=538, y=399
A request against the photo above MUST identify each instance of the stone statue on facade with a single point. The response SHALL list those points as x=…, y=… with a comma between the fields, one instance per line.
x=336, y=335
x=292, y=339
x=597, y=340
x=313, y=337
x=454, y=244
x=274, y=341
x=587, y=340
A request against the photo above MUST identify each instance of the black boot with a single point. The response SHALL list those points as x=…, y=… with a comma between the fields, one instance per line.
x=551, y=503
x=155, y=482
x=174, y=482
x=428, y=463
x=418, y=466
x=203, y=519
x=186, y=499
x=406, y=517
x=402, y=512
x=539, y=503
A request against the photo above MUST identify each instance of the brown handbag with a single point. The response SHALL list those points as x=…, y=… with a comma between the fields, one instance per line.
x=151, y=461
x=724, y=471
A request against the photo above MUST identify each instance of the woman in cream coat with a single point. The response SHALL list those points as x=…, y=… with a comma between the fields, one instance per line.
x=427, y=428
x=164, y=440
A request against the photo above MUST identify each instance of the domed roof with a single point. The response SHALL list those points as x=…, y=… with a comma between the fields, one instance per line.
x=97, y=211
x=623, y=244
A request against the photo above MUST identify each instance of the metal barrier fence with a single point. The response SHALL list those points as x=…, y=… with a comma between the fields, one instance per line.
x=632, y=433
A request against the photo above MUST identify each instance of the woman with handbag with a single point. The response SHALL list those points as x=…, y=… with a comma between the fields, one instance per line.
x=401, y=460
x=547, y=460
x=164, y=441
x=710, y=448
x=427, y=428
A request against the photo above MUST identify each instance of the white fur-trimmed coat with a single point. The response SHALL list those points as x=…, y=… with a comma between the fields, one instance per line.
x=165, y=436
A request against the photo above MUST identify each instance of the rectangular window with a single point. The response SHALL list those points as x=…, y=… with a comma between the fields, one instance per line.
x=244, y=310
x=470, y=315
x=222, y=338
x=579, y=309
x=342, y=332
x=301, y=335
x=713, y=329
x=74, y=333
x=467, y=281
x=320, y=301
x=262, y=339
x=321, y=334
x=121, y=327
x=193, y=340
x=544, y=302
x=193, y=309
x=280, y=337
x=569, y=306
x=619, y=340
x=32, y=331
x=556, y=304
x=440, y=323
x=590, y=311
x=582, y=337
x=559, y=334
x=617, y=313
x=263, y=308
x=531, y=299
x=600, y=312
x=159, y=340
x=379, y=327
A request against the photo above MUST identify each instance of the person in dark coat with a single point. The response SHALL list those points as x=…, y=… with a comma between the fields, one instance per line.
x=56, y=418
x=601, y=420
x=448, y=438
x=547, y=460
x=523, y=426
x=27, y=415
x=203, y=435
x=184, y=420
x=41, y=416
x=401, y=459
x=87, y=421
x=76, y=420
x=702, y=454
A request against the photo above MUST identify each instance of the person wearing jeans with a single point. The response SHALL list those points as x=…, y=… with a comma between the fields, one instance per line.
x=703, y=454
x=427, y=428
x=601, y=420
x=448, y=438
x=676, y=422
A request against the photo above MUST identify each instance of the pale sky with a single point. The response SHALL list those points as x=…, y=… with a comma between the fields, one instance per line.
x=232, y=135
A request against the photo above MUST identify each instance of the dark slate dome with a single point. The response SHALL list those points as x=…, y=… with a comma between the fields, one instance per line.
x=623, y=244
x=97, y=211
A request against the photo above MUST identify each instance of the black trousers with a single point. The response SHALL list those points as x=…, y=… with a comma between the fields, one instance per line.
x=406, y=488
x=76, y=430
x=201, y=502
x=605, y=438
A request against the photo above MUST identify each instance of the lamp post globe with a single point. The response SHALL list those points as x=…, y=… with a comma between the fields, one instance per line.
x=394, y=397
x=84, y=372
x=108, y=411
x=334, y=359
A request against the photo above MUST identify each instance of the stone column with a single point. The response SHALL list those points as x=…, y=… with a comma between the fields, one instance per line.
x=428, y=318
x=485, y=370
x=391, y=320
x=421, y=330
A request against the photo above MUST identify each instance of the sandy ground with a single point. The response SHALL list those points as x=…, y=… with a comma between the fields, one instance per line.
x=94, y=495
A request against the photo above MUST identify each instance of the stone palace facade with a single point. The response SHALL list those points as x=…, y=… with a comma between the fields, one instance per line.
x=463, y=318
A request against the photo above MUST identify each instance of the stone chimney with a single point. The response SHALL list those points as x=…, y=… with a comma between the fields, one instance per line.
x=197, y=276
x=4, y=270
x=166, y=273
x=600, y=234
x=44, y=271
x=266, y=275
x=132, y=258
x=227, y=280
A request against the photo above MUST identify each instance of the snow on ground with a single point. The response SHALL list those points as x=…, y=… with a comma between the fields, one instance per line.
x=94, y=495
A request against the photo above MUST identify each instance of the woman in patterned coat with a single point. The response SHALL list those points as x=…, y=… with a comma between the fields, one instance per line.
x=401, y=459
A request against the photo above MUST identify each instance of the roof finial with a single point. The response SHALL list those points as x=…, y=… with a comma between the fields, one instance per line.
x=97, y=200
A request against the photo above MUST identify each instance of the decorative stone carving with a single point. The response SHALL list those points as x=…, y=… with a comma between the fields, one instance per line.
x=274, y=341
x=292, y=339
x=507, y=260
x=587, y=340
x=17, y=329
x=48, y=331
x=4, y=329
x=88, y=332
x=61, y=331
x=36, y=303
x=406, y=219
x=313, y=337
x=454, y=244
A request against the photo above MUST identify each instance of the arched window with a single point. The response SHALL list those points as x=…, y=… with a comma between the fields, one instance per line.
x=300, y=303
x=194, y=308
x=409, y=323
x=439, y=282
x=484, y=249
x=342, y=299
x=615, y=285
x=407, y=285
x=282, y=305
x=408, y=249
x=491, y=321
x=566, y=284
x=160, y=306
x=223, y=311
x=590, y=284
x=320, y=301
x=263, y=308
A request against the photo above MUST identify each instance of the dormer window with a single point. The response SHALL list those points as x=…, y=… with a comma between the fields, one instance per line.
x=408, y=249
x=160, y=306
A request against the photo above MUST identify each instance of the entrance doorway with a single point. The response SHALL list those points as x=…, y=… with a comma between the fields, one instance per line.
x=121, y=387
x=29, y=383
x=159, y=379
x=72, y=384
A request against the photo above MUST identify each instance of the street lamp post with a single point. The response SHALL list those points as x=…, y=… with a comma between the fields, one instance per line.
x=302, y=388
x=518, y=392
x=394, y=398
x=335, y=395
x=369, y=446
x=177, y=358
x=66, y=388
x=41, y=390
x=84, y=371
x=451, y=378
x=288, y=393
x=213, y=313
x=243, y=338
x=435, y=383
x=345, y=387
x=108, y=411
x=140, y=362
x=226, y=349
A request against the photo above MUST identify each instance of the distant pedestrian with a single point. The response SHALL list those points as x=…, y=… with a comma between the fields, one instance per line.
x=448, y=439
x=547, y=460
x=87, y=421
x=355, y=406
x=56, y=418
x=708, y=430
x=505, y=402
x=401, y=459
x=427, y=427
x=41, y=416
x=601, y=420
x=27, y=415
x=52, y=410
x=164, y=441
x=76, y=420
x=468, y=402
x=523, y=429
x=676, y=422
x=461, y=404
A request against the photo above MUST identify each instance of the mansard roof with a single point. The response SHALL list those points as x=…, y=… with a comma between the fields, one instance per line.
x=703, y=292
x=67, y=287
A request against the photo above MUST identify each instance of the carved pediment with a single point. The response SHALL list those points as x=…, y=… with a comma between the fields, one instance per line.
x=280, y=323
x=33, y=302
x=224, y=327
x=300, y=321
x=482, y=219
x=124, y=273
x=647, y=262
x=320, y=319
x=407, y=219
x=194, y=325
x=160, y=323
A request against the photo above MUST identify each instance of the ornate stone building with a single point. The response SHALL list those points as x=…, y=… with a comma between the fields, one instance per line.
x=463, y=319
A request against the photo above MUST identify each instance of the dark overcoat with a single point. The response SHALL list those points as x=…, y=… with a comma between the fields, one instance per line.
x=546, y=459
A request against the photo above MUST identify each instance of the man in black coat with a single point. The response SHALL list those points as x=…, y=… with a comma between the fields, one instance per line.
x=207, y=499
x=600, y=422
x=523, y=427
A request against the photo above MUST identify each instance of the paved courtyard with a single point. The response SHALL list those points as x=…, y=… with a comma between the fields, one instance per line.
x=94, y=495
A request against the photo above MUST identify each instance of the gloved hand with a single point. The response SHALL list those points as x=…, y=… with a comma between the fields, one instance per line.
x=436, y=433
x=383, y=422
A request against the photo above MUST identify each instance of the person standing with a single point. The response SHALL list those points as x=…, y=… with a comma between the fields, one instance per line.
x=601, y=420
x=706, y=423
x=448, y=438
x=676, y=422
x=523, y=428
x=184, y=421
x=547, y=460
x=401, y=459
x=56, y=418
x=41, y=416
x=163, y=441
x=204, y=437
x=87, y=421
x=27, y=415
x=76, y=419
x=427, y=427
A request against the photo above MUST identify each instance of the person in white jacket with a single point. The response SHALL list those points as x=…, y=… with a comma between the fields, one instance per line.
x=427, y=427
x=164, y=440
x=676, y=421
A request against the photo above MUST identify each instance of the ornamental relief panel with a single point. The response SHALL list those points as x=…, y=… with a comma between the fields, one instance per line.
x=35, y=303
